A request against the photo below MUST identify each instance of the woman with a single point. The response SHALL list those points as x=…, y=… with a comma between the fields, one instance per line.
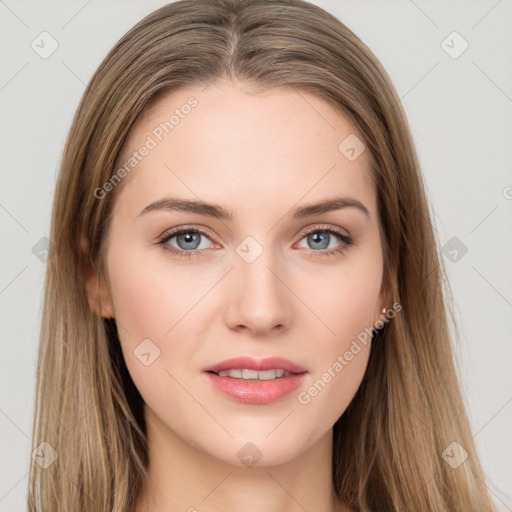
x=298, y=357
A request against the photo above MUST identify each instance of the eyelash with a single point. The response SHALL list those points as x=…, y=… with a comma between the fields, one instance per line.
x=345, y=239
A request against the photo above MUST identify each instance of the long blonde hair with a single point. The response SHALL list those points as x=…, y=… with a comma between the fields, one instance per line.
x=389, y=451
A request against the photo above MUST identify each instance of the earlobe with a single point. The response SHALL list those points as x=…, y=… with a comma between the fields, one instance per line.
x=385, y=303
x=97, y=291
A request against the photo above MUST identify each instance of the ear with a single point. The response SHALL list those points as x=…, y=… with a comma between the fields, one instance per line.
x=384, y=300
x=97, y=290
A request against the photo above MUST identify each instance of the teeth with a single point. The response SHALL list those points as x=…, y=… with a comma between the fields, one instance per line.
x=253, y=374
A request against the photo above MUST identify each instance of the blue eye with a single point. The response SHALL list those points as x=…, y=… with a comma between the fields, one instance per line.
x=321, y=238
x=189, y=241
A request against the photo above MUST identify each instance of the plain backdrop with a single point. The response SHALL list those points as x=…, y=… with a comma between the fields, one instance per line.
x=457, y=92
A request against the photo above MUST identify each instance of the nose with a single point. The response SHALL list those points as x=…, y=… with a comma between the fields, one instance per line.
x=259, y=300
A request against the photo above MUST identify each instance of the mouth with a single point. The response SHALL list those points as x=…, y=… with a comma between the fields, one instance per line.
x=253, y=381
x=247, y=374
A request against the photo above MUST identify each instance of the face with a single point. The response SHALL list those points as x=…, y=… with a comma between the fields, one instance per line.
x=257, y=275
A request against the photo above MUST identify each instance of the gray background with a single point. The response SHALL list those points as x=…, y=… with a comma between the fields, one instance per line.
x=460, y=110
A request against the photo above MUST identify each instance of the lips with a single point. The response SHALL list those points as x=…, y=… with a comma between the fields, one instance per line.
x=252, y=391
x=248, y=363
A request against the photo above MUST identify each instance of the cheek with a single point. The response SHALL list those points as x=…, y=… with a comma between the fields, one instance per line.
x=340, y=361
x=149, y=295
x=327, y=395
x=149, y=304
x=343, y=297
x=346, y=306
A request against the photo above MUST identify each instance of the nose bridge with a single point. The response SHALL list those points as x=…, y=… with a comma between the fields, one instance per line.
x=261, y=301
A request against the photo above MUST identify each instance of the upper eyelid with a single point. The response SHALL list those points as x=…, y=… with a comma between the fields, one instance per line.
x=322, y=227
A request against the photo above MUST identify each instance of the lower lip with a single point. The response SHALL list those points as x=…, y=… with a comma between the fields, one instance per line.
x=256, y=391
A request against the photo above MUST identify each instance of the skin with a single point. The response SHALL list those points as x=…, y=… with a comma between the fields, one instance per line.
x=258, y=155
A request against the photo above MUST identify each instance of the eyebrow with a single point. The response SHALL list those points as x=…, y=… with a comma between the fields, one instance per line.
x=218, y=212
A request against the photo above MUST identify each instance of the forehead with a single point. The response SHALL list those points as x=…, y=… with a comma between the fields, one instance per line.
x=228, y=141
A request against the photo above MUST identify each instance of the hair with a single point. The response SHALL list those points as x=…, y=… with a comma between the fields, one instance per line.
x=388, y=444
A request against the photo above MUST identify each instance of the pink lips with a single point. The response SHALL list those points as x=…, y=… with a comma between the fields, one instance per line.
x=256, y=391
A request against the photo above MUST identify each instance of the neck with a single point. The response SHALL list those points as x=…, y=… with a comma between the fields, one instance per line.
x=182, y=477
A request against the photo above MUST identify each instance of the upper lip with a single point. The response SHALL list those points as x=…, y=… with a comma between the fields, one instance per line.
x=269, y=363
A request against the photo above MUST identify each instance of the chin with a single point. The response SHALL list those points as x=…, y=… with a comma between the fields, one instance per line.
x=259, y=450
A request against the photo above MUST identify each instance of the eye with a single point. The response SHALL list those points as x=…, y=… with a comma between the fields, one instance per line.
x=187, y=239
x=322, y=237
